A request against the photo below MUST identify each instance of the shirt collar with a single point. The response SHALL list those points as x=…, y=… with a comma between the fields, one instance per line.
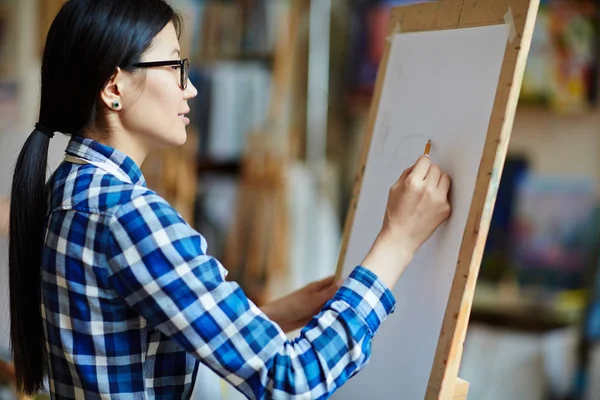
x=91, y=150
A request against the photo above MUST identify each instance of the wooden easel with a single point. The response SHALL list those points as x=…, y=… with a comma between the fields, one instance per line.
x=444, y=383
x=257, y=243
x=4, y=215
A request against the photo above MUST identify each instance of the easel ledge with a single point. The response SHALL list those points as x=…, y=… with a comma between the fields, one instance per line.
x=461, y=388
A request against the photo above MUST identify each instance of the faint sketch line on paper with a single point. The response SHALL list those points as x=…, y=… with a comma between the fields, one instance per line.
x=408, y=148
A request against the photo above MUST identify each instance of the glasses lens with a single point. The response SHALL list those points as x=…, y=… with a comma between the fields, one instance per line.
x=184, y=73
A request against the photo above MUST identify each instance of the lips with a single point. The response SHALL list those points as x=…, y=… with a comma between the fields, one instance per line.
x=185, y=119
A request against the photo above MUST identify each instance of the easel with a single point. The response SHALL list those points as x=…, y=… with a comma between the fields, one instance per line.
x=444, y=383
x=257, y=243
x=4, y=215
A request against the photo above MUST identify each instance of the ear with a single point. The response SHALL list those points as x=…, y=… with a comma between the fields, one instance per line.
x=112, y=93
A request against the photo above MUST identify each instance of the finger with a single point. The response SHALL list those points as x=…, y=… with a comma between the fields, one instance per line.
x=404, y=175
x=433, y=176
x=407, y=171
x=445, y=182
x=421, y=168
x=328, y=292
x=323, y=283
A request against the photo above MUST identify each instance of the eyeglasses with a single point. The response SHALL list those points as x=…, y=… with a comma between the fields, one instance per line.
x=184, y=66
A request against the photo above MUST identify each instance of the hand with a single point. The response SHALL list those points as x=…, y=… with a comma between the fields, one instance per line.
x=417, y=205
x=296, y=309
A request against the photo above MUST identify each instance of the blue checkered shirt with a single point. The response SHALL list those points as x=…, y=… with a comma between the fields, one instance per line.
x=132, y=302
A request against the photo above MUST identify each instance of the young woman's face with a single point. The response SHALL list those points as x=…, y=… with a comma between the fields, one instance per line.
x=157, y=112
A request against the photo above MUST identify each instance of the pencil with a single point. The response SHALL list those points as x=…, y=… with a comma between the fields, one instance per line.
x=428, y=147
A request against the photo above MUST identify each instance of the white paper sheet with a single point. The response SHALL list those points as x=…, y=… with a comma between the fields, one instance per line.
x=439, y=85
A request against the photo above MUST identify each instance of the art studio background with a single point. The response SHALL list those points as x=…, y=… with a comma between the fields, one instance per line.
x=266, y=176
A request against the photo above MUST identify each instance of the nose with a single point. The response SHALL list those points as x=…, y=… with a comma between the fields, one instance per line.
x=190, y=91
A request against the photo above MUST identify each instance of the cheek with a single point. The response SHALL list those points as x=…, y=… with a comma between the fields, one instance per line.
x=155, y=112
x=160, y=104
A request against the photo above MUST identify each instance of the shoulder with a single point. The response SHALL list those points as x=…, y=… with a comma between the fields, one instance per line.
x=146, y=225
x=140, y=199
x=142, y=212
x=88, y=188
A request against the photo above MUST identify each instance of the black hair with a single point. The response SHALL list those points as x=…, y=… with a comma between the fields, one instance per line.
x=87, y=41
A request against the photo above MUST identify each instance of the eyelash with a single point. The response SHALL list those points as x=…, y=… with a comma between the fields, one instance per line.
x=176, y=67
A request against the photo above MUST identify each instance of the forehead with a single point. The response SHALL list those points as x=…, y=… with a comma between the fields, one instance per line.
x=164, y=44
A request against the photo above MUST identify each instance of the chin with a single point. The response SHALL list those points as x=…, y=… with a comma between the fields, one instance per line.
x=178, y=138
x=181, y=138
x=166, y=144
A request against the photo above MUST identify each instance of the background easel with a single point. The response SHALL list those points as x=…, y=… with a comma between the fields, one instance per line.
x=257, y=243
x=4, y=215
x=451, y=14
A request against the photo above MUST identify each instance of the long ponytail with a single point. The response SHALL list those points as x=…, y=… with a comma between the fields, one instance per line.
x=29, y=204
x=86, y=43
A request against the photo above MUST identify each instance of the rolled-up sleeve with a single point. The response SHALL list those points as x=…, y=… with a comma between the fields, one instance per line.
x=159, y=266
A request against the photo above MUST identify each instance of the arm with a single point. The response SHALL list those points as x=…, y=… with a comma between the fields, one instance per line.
x=160, y=267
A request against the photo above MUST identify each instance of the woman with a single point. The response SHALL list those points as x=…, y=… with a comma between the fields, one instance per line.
x=112, y=293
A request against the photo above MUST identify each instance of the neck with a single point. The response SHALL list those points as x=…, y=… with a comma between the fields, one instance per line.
x=129, y=146
x=125, y=143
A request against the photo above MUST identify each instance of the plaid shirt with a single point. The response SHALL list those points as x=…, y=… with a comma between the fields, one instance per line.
x=132, y=302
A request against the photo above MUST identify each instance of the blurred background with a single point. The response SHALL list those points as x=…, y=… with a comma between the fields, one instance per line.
x=266, y=175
